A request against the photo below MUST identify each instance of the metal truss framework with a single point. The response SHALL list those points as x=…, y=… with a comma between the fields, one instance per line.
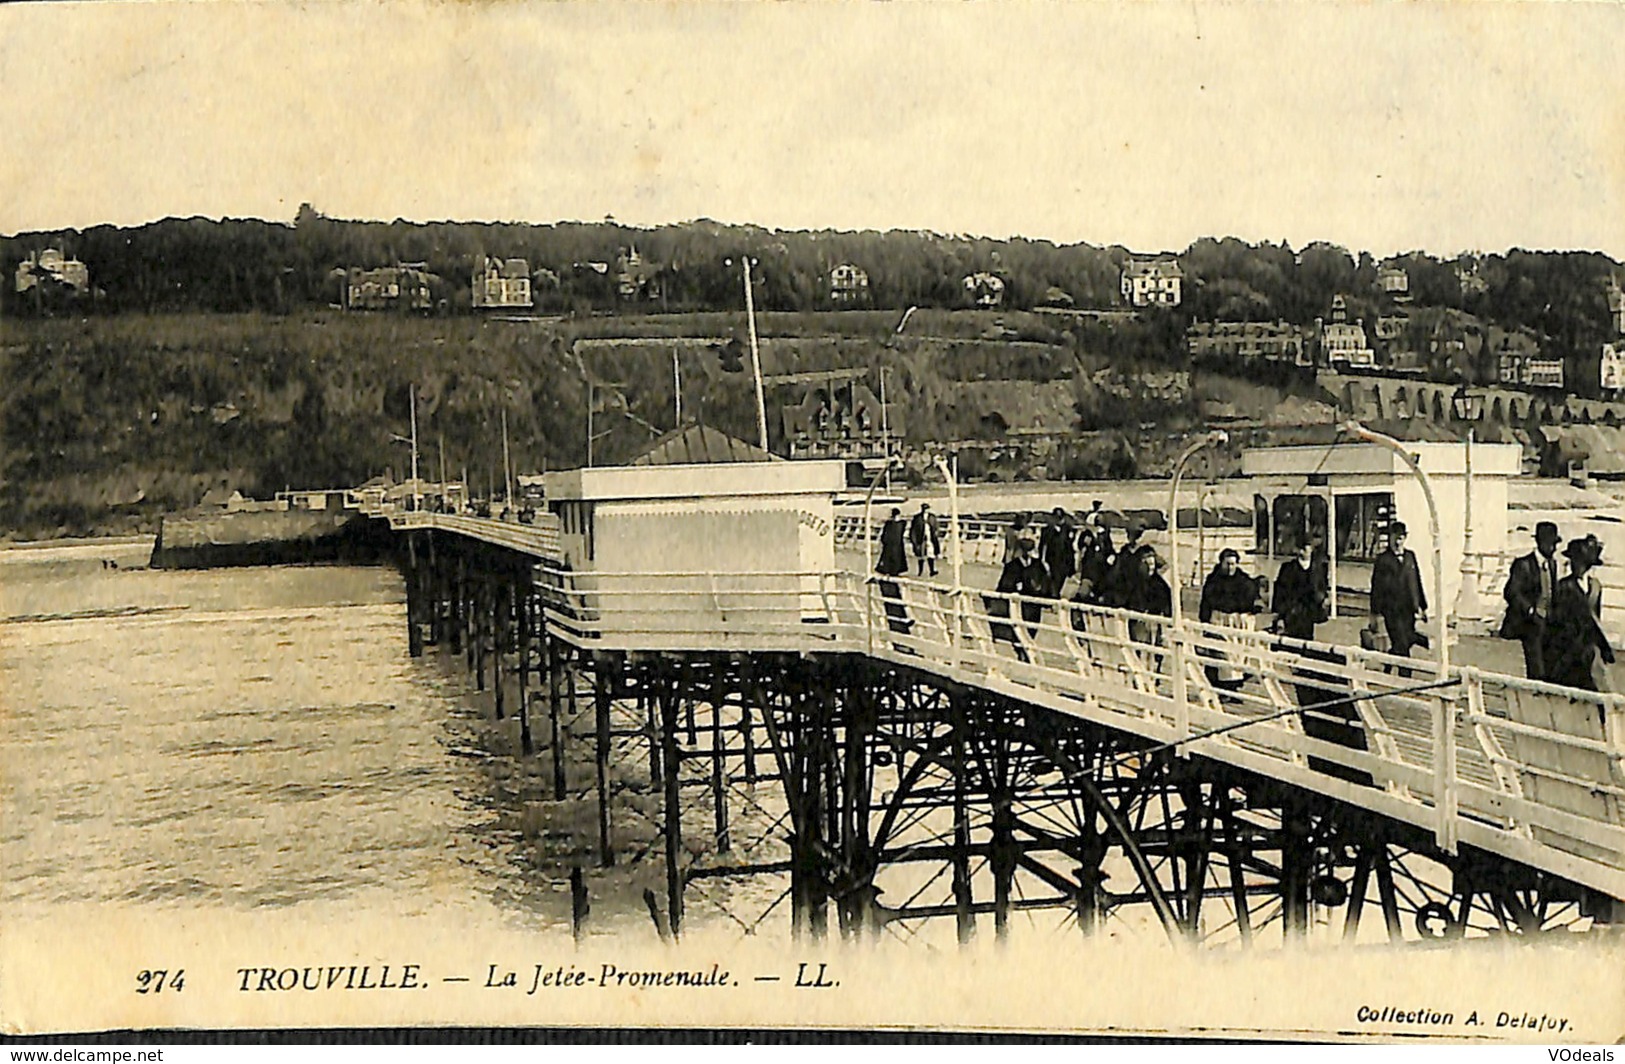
x=880, y=800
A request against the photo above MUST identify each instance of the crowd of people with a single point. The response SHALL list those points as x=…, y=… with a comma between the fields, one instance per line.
x=1555, y=615
x=1074, y=557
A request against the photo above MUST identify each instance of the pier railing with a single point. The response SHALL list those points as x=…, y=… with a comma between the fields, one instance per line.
x=1531, y=771
x=1528, y=770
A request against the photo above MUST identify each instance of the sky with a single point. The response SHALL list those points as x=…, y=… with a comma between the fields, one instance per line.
x=1379, y=125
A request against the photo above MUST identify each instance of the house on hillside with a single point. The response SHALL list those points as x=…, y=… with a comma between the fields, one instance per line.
x=404, y=286
x=1152, y=282
x=1394, y=282
x=848, y=285
x=1343, y=342
x=1391, y=326
x=984, y=290
x=1470, y=278
x=1612, y=371
x=838, y=416
x=1246, y=342
x=53, y=268
x=221, y=499
x=635, y=277
x=1542, y=373
x=1582, y=451
x=502, y=283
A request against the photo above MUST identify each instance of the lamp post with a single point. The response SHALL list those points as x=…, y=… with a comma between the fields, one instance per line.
x=1213, y=438
x=1354, y=428
x=885, y=426
x=417, y=485
x=950, y=473
x=1469, y=607
x=1445, y=797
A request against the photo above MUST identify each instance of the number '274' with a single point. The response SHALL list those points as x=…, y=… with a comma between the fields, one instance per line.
x=158, y=980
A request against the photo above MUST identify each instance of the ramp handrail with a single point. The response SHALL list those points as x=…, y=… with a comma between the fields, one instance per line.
x=1354, y=726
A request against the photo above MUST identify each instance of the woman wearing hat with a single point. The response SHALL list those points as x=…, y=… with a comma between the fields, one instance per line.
x=1576, y=650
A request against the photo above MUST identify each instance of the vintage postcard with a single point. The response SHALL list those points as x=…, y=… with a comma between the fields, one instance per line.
x=1073, y=517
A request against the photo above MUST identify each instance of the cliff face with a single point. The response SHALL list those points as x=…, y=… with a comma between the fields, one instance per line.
x=106, y=423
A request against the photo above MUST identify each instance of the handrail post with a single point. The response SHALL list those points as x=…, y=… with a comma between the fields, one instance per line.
x=869, y=555
x=1182, y=709
x=951, y=474
x=1446, y=794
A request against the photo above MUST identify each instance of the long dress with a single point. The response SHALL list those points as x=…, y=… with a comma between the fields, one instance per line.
x=1152, y=595
x=893, y=562
x=1227, y=602
x=1012, y=581
x=1577, y=652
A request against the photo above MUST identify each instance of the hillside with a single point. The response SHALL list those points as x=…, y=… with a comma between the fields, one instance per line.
x=106, y=422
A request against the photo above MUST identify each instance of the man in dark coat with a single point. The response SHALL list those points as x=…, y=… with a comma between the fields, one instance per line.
x=925, y=535
x=1123, y=580
x=1300, y=596
x=1057, y=550
x=1396, y=592
x=1528, y=595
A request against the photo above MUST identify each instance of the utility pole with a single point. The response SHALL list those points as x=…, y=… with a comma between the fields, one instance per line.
x=677, y=386
x=507, y=463
x=417, y=485
x=755, y=356
x=885, y=428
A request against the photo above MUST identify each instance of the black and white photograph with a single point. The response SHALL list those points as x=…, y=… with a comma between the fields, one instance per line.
x=1075, y=518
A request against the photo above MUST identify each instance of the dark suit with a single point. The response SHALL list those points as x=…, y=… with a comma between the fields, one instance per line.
x=1299, y=601
x=1396, y=593
x=1523, y=622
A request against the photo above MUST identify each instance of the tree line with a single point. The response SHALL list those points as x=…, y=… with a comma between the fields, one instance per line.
x=235, y=265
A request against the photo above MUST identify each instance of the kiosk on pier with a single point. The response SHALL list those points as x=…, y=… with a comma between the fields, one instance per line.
x=746, y=538
x=1344, y=496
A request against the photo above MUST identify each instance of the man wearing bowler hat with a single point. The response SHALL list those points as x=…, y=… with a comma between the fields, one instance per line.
x=1528, y=595
x=1397, y=594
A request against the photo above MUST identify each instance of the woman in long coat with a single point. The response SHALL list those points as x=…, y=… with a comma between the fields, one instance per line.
x=1015, y=579
x=893, y=562
x=893, y=555
x=1152, y=595
x=1577, y=652
x=1229, y=600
